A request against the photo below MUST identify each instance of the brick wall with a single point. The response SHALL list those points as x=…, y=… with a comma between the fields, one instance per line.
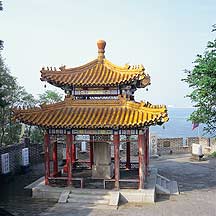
x=15, y=155
x=191, y=140
x=172, y=146
x=212, y=145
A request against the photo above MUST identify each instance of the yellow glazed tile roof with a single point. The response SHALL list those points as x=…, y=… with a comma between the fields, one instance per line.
x=80, y=114
x=96, y=73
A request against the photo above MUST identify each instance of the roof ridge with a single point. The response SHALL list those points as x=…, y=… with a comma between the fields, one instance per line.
x=126, y=68
x=64, y=70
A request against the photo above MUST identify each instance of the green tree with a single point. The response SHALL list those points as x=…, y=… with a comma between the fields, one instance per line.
x=202, y=80
x=50, y=97
x=11, y=95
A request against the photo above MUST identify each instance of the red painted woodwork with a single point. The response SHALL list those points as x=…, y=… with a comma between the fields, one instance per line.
x=91, y=154
x=146, y=151
x=73, y=151
x=116, y=141
x=141, y=159
x=46, y=155
x=128, y=164
x=67, y=154
x=69, y=140
x=55, y=159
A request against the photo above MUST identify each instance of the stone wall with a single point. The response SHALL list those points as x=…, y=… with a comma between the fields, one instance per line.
x=191, y=140
x=15, y=155
x=212, y=145
x=208, y=145
x=172, y=146
x=177, y=145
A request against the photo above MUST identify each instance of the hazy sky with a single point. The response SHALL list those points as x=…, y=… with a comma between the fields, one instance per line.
x=163, y=35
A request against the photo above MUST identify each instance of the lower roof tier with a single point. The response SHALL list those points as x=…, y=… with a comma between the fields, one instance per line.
x=93, y=114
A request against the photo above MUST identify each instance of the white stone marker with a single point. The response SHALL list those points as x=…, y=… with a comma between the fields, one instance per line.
x=153, y=144
x=64, y=152
x=25, y=157
x=83, y=146
x=5, y=163
x=196, y=149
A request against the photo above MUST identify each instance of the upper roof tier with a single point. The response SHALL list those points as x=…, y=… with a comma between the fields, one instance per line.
x=97, y=73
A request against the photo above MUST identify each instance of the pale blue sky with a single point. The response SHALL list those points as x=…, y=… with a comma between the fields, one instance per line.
x=163, y=35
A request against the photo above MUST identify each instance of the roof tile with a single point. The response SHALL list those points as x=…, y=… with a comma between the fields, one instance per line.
x=93, y=114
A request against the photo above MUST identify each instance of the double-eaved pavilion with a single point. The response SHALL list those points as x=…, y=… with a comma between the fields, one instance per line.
x=99, y=102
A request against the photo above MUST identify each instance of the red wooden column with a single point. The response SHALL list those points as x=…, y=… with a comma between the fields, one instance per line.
x=128, y=164
x=146, y=151
x=141, y=159
x=55, y=158
x=91, y=154
x=73, y=152
x=116, y=141
x=46, y=157
x=69, y=140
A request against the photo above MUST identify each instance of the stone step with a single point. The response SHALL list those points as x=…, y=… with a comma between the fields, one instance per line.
x=162, y=190
x=173, y=187
x=165, y=186
x=86, y=196
x=158, y=181
x=91, y=206
x=90, y=196
x=114, y=199
x=164, y=183
x=89, y=200
x=64, y=196
x=90, y=191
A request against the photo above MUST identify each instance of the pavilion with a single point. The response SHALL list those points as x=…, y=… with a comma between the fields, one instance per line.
x=99, y=102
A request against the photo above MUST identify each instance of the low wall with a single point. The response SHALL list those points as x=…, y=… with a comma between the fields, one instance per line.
x=172, y=146
x=179, y=145
x=15, y=155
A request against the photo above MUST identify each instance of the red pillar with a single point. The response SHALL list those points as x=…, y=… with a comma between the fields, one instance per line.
x=73, y=152
x=55, y=159
x=146, y=149
x=46, y=155
x=91, y=156
x=116, y=142
x=69, y=140
x=141, y=159
x=128, y=164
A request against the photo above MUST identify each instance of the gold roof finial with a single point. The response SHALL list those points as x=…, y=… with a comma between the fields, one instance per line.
x=101, y=49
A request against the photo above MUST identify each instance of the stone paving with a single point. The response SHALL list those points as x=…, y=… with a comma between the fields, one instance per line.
x=18, y=201
x=197, y=182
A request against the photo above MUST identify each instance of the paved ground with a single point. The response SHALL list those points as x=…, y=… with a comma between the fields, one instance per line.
x=197, y=182
x=18, y=201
